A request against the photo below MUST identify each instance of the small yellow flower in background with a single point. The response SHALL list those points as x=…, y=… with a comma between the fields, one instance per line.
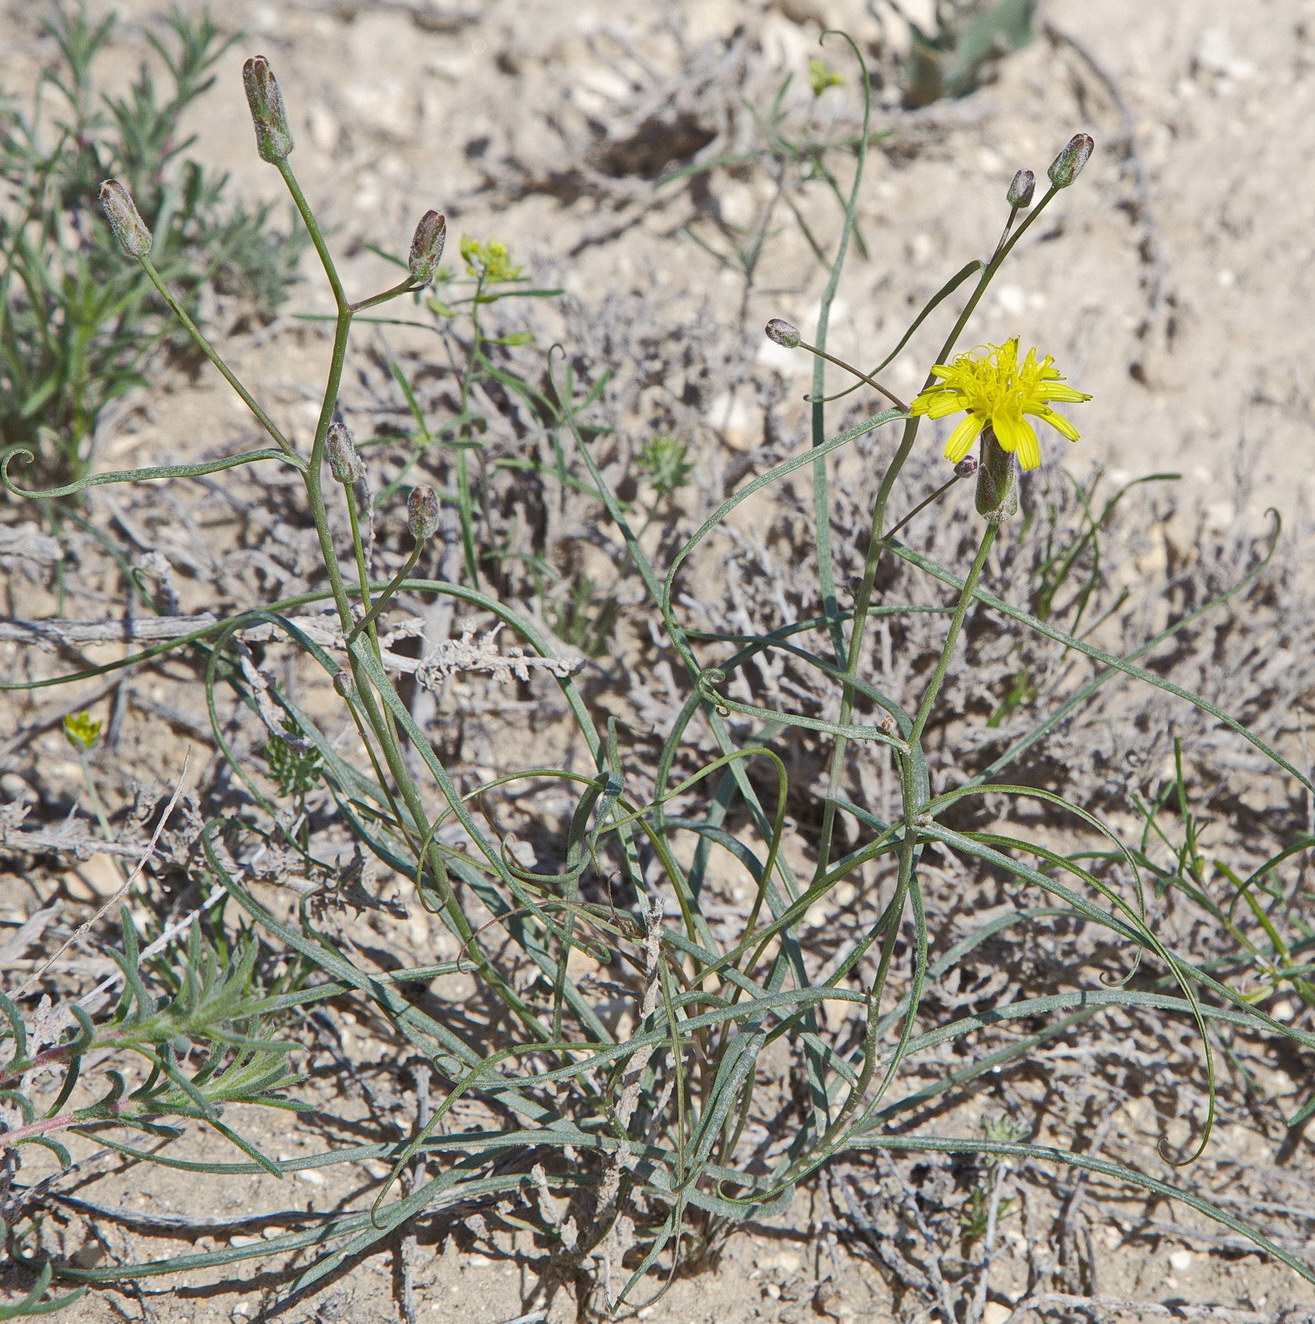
x=489, y=260
x=995, y=389
x=82, y=730
x=821, y=76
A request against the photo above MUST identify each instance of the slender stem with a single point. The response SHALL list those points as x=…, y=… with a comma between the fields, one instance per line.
x=952, y=634
x=407, y=286
x=377, y=718
x=212, y=354
x=876, y=539
x=921, y=506
x=862, y=376
x=367, y=623
x=97, y=809
x=358, y=547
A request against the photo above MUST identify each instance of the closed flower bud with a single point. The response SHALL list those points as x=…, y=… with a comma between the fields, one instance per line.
x=129, y=229
x=1064, y=169
x=427, y=248
x=783, y=333
x=422, y=512
x=273, y=137
x=344, y=463
x=1020, y=189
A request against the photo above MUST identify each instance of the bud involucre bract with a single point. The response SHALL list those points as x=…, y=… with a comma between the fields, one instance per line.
x=427, y=248
x=129, y=229
x=1066, y=167
x=273, y=137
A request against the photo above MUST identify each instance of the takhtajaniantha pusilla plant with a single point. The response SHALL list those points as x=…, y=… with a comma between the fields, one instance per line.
x=630, y=1120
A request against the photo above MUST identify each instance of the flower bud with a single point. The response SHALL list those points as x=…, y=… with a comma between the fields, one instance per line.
x=427, y=248
x=997, y=481
x=1020, y=189
x=129, y=229
x=342, y=684
x=344, y=463
x=1064, y=169
x=422, y=512
x=273, y=137
x=966, y=467
x=783, y=333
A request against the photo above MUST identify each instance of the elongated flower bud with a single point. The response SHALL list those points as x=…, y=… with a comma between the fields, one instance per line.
x=273, y=137
x=344, y=462
x=129, y=229
x=1066, y=167
x=783, y=333
x=427, y=248
x=422, y=512
x=1020, y=189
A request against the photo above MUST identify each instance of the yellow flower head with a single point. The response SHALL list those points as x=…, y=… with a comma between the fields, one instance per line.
x=995, y=389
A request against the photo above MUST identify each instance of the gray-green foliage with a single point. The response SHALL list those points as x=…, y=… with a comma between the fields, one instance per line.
x=77, y=326
x=957, y=52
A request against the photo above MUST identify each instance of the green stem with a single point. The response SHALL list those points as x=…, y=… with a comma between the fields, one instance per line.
x=367, y=622
x=862, y=376
x=952, y=635
x=877, y=540
x=379, y=720
x=98, y=808
x=212, y=354
x=407, y=286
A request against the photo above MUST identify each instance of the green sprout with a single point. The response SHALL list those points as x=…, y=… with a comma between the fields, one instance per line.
x=975, y=1216
x=664, y=465
x=294, y=767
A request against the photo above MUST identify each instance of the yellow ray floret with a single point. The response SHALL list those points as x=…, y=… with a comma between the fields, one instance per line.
x=992, y=386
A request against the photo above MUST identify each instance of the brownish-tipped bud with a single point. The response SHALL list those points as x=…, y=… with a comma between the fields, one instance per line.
x=427, y=248
x=1021, y=188
x=273, y=137
x=129, y=229
x=966, y=467
x=422, y=512
x=344, y=463
x=783, y=333
x=1066, y=167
